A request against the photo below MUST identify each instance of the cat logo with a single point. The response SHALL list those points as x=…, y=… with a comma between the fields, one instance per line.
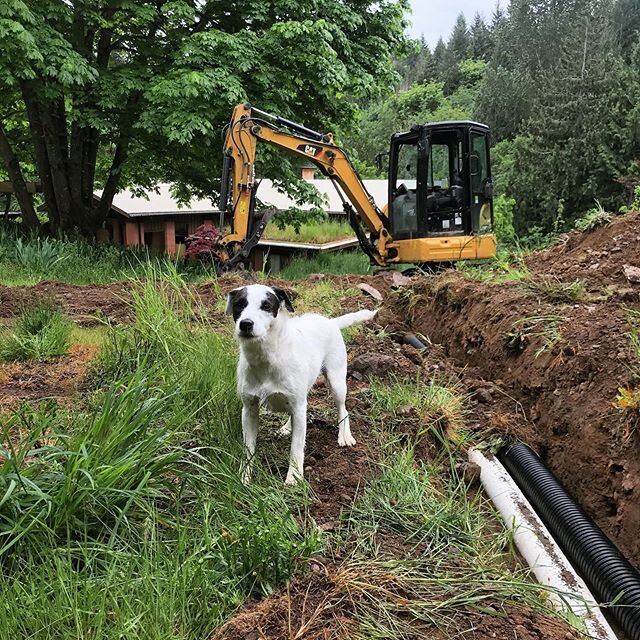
x=310, y=150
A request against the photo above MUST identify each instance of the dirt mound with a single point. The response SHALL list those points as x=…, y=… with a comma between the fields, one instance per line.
x=596, y=257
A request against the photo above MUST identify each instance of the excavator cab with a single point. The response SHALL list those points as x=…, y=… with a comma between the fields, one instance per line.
x=440, y=182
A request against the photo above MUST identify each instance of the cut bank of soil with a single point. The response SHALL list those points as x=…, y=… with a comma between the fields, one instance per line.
x=566, y=391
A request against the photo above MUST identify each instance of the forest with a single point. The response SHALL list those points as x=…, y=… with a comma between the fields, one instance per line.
x=558, y=84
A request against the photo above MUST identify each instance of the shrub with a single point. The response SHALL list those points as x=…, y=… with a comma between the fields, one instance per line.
x=41, y=332
x=203, y=244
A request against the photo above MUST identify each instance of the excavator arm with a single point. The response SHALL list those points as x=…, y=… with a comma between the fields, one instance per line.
x=238, y=193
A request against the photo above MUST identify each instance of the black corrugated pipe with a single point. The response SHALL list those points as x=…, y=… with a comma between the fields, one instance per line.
x=607, y=572
x=409, y=338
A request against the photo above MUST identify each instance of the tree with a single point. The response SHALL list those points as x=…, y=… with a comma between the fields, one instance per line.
x=481, y=43
x=128, y=92
x=459, y=43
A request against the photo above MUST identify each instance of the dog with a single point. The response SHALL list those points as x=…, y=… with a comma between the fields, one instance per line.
x=280, y=359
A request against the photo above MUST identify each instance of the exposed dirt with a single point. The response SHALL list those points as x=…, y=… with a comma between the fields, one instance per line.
x=597, y=257
x=83, y=303
x=322, y=606
x=59, y=379
x=566, y=391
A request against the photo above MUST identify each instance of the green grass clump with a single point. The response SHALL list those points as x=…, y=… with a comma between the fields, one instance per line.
x=438, y=404
x=41, y=332
x=545, y=328
x=594, y=218
x=554, y=290
x=316, y=233
x=339, y=262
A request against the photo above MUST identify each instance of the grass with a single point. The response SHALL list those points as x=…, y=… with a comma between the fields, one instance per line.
x=29, y=260
x=338, y=262
x=545, y=328
x=125, y=516
x=41, y=332
x=316, y=233
x=594, y=218
x=438, y=404
x=452, y=568
x=554, y=290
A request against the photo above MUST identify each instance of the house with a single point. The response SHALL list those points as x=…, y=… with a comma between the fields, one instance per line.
x=160, y=223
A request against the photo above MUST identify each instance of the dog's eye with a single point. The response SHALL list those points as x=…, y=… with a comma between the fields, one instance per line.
x=266, y=306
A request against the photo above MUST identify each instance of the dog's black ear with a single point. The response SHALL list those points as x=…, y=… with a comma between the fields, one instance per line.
x=283, y=296
x=234, y=294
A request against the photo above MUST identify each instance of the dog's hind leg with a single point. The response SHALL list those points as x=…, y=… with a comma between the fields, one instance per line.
x=296, y=457
x=336, y=375
x=250, y=423
x=285, y=429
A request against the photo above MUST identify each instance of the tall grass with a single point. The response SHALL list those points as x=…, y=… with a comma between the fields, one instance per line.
x=26, y=260
x=126, y=517
x=41, y=332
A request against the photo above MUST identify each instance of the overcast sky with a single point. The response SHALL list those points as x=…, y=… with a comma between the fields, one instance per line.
x=435, y=18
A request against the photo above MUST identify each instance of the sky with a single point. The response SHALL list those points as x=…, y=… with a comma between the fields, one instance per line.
x=435, y=18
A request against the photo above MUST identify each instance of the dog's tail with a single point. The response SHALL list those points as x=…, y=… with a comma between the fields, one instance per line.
x=349, y=319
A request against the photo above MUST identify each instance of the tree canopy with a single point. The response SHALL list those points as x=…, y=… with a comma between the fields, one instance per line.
x=112, y=93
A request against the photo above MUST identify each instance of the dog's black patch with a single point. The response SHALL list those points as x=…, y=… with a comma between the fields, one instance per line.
x=283, y=296
x=271, y=304
x=239, y=301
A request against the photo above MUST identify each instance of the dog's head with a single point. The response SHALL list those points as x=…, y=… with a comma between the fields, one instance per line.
x=255, y=308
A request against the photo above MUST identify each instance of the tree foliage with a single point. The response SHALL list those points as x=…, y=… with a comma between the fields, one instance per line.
x=136, y=91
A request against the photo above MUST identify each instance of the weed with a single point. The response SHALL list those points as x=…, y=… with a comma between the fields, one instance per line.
x=41, y=332
x=546, y=328
x=554, y=290
x=594, y=218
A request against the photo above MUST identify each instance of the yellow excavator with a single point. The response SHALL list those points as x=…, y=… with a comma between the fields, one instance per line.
x=440, y=196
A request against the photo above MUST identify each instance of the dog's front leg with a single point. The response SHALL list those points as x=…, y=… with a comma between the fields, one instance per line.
x=299, y=435
x=250, y=422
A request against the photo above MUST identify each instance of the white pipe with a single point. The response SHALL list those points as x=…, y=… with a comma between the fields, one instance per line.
x=539, y=549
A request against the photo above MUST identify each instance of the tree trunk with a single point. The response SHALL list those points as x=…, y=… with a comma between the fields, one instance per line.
x=20, y=191
x=40, y=149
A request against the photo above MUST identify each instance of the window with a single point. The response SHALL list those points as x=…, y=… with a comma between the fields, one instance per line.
x=479, y=152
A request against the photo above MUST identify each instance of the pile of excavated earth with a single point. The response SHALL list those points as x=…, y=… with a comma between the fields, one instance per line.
x=542, y=354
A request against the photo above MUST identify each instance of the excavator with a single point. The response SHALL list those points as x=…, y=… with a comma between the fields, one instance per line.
x=440, y=196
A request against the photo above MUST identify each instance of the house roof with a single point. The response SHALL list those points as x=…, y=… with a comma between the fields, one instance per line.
x=162, y=203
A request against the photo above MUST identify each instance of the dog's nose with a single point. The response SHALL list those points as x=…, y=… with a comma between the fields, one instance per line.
x=246, y=326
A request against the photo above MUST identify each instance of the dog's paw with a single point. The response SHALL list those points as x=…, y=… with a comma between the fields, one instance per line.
x=292, y=478
x=346, y=440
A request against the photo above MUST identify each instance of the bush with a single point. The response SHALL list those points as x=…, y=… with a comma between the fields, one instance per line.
x=41, y=332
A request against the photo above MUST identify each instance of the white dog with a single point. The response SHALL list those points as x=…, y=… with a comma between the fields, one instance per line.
x=280, y=359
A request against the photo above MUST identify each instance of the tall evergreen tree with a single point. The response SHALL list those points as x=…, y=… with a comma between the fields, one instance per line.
x=481, y=43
